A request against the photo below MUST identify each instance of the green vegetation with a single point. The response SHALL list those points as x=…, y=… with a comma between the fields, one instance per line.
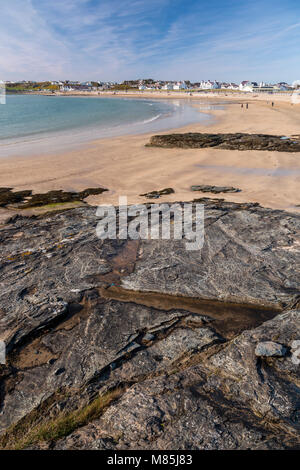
x=27, y=433
x=57, y=205
x=123, y=87
x=27, y=87
x=148, y=81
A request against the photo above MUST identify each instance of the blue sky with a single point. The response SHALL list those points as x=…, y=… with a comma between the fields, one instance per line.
x=167, y=39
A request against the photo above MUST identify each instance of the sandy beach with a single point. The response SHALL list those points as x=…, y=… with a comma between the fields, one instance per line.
x=127, y=168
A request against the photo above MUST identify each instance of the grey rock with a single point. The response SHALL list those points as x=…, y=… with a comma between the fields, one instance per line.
x=173, y=413
x=174, y=331
x=269, y=348
x=250, y=255
x=148, y=337
x=268, y=386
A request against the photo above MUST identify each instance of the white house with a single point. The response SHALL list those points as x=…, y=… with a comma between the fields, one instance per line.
x=209, y=85
x=180, y=86
x=246, y=86
x=232, y=86
x=66, y=88
x=168, y=86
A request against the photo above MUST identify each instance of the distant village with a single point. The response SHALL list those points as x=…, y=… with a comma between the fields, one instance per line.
x=150, y=85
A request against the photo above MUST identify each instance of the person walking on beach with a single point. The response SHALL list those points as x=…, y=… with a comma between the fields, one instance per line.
x=242, y=105
x=247, y=106
x=272, y=104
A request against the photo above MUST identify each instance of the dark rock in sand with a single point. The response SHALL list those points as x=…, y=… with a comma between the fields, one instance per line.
x=205, y=188
x=25, y=199
x=238, y=141
x=162, y=339
x=7, y=196
x=157, y=194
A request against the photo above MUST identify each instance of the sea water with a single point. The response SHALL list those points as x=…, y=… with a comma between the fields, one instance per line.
x=35, y=123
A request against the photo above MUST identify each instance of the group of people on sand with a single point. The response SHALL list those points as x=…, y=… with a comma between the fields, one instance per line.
x=247, y=105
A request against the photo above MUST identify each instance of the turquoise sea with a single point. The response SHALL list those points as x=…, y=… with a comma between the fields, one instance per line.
x=35, y=123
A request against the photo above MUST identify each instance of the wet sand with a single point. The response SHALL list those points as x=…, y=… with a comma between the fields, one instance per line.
x=128, y=168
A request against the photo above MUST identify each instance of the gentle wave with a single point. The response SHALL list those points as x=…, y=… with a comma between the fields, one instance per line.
x=146, y=121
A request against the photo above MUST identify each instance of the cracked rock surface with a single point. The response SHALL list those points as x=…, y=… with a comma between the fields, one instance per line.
x=165, y=337
x=249, y=255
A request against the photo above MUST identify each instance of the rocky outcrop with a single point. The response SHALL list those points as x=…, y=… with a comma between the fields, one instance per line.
x=250, y=256
x=238, y=141
x=124, y=344
x=25, y=199
x=157, y=194
x=206, y=188
x=7, y=196
x=229, y=400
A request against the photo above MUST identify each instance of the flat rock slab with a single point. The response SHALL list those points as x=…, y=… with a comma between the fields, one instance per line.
x=6, y=215
x=208, y=405
x=267, y=385
x=250, y=255
x=87, y=345
x=67, y=342
x=238, y=141
x=169, y=413
x=205, y=188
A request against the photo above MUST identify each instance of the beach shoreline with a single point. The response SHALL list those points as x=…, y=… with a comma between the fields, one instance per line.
x=185, y=95
x=127, y=167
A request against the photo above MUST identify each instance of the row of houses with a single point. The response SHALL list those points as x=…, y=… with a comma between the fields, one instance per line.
x=245, y=86
x=182, y=85
x=253, y=87
x=163, y=86
x=149, y=84
x=83, y=86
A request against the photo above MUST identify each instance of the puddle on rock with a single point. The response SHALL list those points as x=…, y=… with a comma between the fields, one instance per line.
x=123, y=263
x=229, y=319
